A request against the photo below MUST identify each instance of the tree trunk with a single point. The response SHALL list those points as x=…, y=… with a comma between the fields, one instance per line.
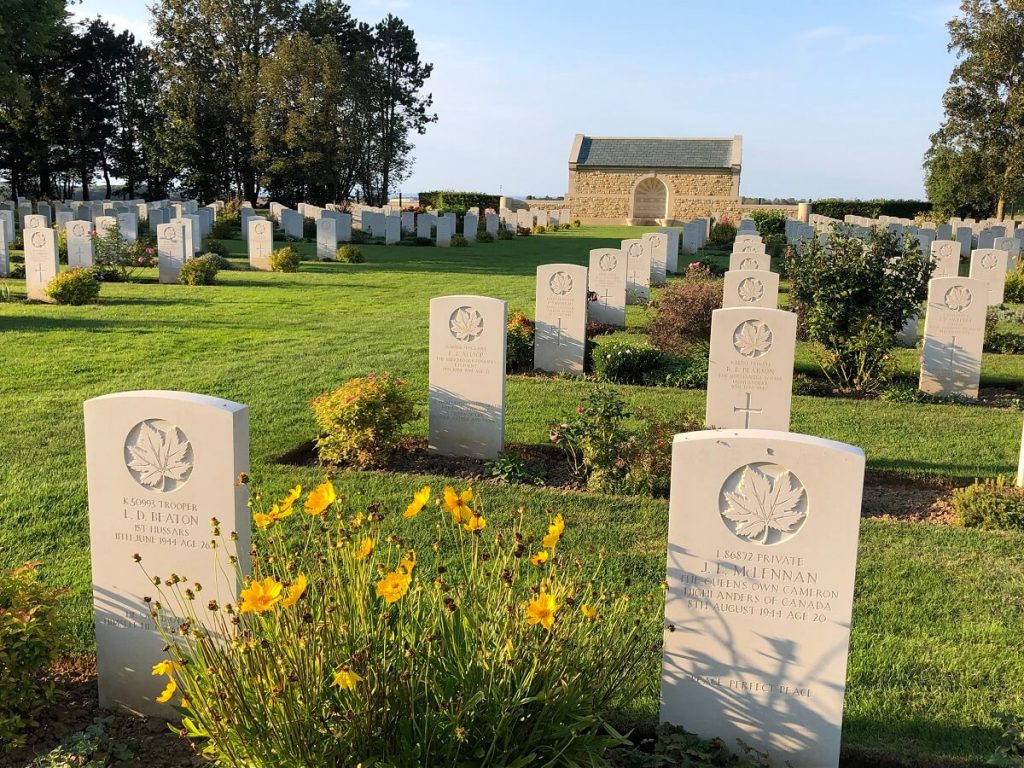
x=1000, y=207
x=85, y=183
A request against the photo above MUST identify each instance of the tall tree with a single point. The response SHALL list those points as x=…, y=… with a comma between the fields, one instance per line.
x=136, y=90
x=984, y=104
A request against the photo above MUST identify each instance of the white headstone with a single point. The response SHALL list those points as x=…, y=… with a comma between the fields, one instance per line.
x=34, y=221
x=750, y=368
x=344, y=227
x=964, y=236
x=672, y=262
x=693, y=237
x=172, y=250
x=467, y=376
x=392, y=229
x=946, y=255
x=261, y=243
x=444, y=232
x=160, y=466
x=408, y=220
x=104, y=224
x=292, y=223
x=1012, y=247
x=750, y=288
x=954, y=334
x=41, y=262
x=753, y=259
x=989, y=266
x=560, y=334
x=79, y=244
x=8, y=218
x=326, y=238
x=5, y=255
x=196, y=230
x=491, y=222
x=762, y=553
x=607, y=277
x=63, y=218
x=424, y=223
x=469, y=226
x=128, y=224
x=656, y=244
x=638, y=271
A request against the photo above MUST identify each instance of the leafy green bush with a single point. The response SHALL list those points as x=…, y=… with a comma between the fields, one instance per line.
x=284, y=260
x=682, y=319
x=459, y=241
x=458, y=202
x=836, y=208
x=1013, y=293
x=1010, y=753
x=993, y=503
x=76, y=286
x=360, y=423
x=62, y=245
x=366, y=652
x=506, y=234
x=484, y=237
x=512, y=470
x=722, y=233
x=118, y=260
x=690, y=372
x=211, y=245
x=200, y=271
x=769, y=222
x=854, y=298
x=349, y=254
x=576, y=224
x=673, y=747
x=31, y=634
x=519, y=343
x=625, y=361
x=538, y=229
x=229, y=220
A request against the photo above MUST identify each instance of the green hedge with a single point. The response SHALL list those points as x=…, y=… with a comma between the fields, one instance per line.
x=458, y=202
x=836, y=208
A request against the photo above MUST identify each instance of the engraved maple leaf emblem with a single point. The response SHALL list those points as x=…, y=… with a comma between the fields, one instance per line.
x=159, y=455
x=749, y=263
x=466, y=324
x=560, y=283
x=760, y=504
x=751, y=289
x=958, y=298
x=609, y=262
x=945, y=249
x=988, y=261
x=752, y=339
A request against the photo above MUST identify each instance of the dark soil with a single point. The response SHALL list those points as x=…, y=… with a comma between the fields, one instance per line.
x=122, y=740
x=887, y=495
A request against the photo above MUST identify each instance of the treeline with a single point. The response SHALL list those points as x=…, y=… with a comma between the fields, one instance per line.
x=300, y=101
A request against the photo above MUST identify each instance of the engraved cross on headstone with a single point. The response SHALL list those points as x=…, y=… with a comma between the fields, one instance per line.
x=746, y=411
x=952, y=354
x=559, y=332
x=604, y=296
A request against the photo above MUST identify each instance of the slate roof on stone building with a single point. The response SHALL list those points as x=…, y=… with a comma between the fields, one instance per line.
x=623, y=152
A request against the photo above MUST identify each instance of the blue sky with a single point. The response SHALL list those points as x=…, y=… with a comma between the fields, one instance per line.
x=831, y=98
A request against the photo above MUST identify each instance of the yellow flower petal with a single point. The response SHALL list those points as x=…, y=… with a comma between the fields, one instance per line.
x=540, y=558
x=365, y=549
x=321, y=498
x=168, y=691
x=295, y=591
x=346, y=679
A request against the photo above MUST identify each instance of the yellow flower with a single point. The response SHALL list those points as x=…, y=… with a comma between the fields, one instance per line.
x=291, y=497
x=262, y=520
x=185, y=704
x=588, y=612
x=475, y=523
x=321, y=498
x=407, y=563
x=540, y=558
x=364, y=549
x=419, y=501
x=261, y=596
x=458, y=504
x=168, y=692
x=295, y=591
x=357, y=521
x=542, y=611
x=346, y=679
x=393, y=586
x=555, y=531
x=165, y=667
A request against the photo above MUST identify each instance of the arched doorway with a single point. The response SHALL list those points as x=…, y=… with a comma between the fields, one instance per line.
x=650, y=200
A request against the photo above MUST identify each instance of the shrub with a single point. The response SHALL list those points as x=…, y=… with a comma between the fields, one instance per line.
x=1010, y=753
x=854, y=298
x=993, y=503
x=519, y=343
x=625, y=361
x=492, y=653
x=682, y=320
x=723, y=233
x=459, y=202
x=215, y=246
x=360, y=422
x=200, y=271
x=689, y=372
x=539, y=229
x=506, y=234
x=229, y=220
x=674, y=747
x=775, y=245
x=771, y=222
x=284, y=260
x=459, y=241
x=1013, y=293
x=576, y=224
x=76, y=286
x=349, y=254
x=484, y=237
x=512, y=470
x=117, y=260
x=905, y=209
x=31, y=634
x=62, y=245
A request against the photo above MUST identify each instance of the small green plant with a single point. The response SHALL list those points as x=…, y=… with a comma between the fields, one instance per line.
x=75, y=287
x=674, y=747
x=210, y=245
x=229, y=220
x=118, y=260
x=769, y=222
x=539, y=229
x=349, y=254
x=360, y=422
x=519, y=343
x=512, y=470
x=31, y=634
x=62, y=244
x=284, y=260
x=1010, y=753
x=459, y=241
x=1013, y=293
x=575, y=223
x=93, y=747
x=992, y=503
x=723, y=233
x=484, y=237
x=506, y=234
x=625, y=361
x=200, y=271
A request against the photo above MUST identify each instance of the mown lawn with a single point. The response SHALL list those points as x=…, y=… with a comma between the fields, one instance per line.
x=938, y=632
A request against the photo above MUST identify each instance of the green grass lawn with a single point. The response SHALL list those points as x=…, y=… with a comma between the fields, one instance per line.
x=938, y=628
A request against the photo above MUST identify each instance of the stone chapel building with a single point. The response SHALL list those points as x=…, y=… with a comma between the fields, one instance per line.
x=620, y=180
